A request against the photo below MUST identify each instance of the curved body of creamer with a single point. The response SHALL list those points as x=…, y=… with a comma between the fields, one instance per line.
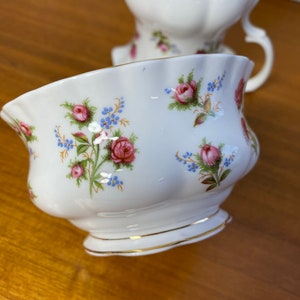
x=166, y=28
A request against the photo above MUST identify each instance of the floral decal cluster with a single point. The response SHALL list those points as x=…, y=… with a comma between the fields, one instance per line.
x=186, y=96
x=102, y=151
x=211, y=162
x=133, y=46
x=163, y=43
x=32, y=195
x=27, y=134
x=25, y=131
x=248, y=133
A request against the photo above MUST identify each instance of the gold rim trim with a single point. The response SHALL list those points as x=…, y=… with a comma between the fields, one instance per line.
x=167, y=245
x=135, y=237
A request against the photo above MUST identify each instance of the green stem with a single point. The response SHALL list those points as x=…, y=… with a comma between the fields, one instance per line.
x=216, y=177
x=95, y=166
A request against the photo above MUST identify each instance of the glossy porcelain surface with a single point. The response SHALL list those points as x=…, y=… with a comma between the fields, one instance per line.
x=142, y=155
x=183, y=27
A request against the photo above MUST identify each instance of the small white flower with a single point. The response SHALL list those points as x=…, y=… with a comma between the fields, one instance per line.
x=102, y=137
x=94, y=127
x=114, y=138
x=105, y=177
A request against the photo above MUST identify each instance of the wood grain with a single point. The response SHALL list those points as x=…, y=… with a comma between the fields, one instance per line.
x=258, y=254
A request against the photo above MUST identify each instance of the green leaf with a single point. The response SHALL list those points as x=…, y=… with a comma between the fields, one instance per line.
x=106, y=157
x=181, y=79
x=190, y=76
x=82, y=148
x=98, y=176
x=179, y=106
x=67, y=105
x=199, y=86
x=211, y=187
x=215, y=167
x=200, y=119
x=81, y=137
x=117, y=133
x=133, y=138
x=209, y=180
x=78, y=181
x=157, y=34
x=225, y=174
x=172, y=105
x=123, y=166
x=88, y=160
x=91, y=108
x=98, y=184
x=221, y=145
x=203, y=167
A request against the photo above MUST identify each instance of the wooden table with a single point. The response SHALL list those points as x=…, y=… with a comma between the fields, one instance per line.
x=256, y=257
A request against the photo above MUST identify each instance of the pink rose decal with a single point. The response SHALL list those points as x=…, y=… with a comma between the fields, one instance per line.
x=186, y=92
x=32, y=195
x=100, y=147
x=81, y=113
x=133, y=50
x=25, y=128
x=163, y=47
x=122, y=151
x=187, y=96
x=239, y=93
x=25, y=131
x=163, y=43
x=245, y=129
x=77, y=171
x=210, y=154
x=249, y=137
x=210, y=162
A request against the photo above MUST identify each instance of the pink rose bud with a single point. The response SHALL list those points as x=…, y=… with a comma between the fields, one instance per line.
x=133, y=51
x=210, y=154
x=81, y=113
x=77, y=171
x=239, y=93
x=25, y=129
x=185, y=92
x=163, y=47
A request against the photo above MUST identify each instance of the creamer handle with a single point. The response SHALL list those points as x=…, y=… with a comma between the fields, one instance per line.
x=259, y=36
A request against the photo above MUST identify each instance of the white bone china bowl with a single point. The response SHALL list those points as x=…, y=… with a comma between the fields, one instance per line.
x=140, y=156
